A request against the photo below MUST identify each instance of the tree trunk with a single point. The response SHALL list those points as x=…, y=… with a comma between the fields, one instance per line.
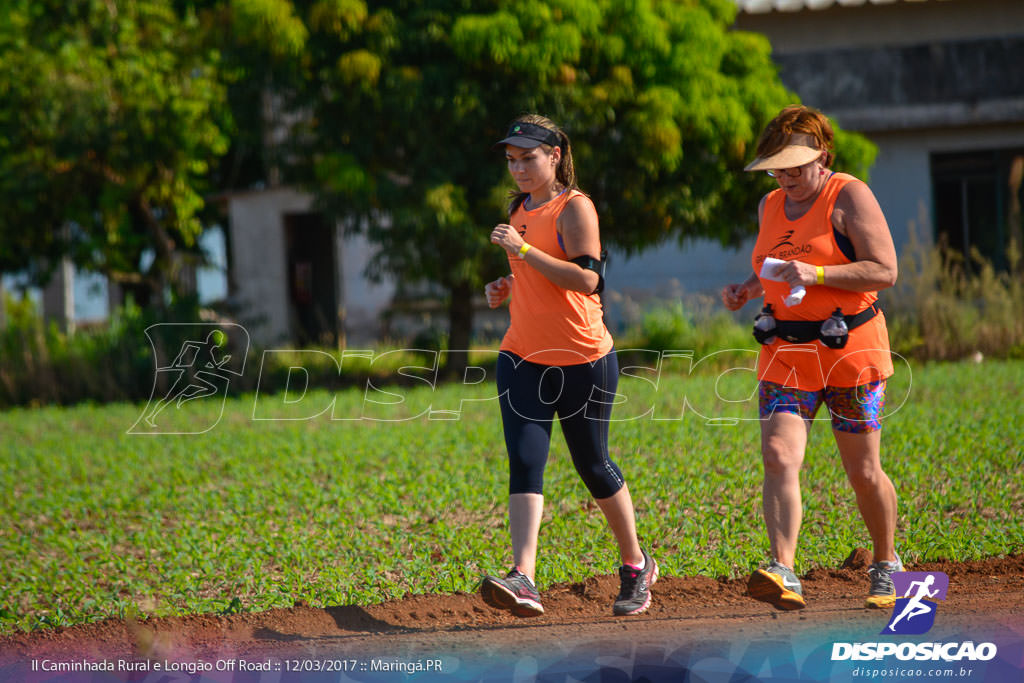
x=141, y=293
x=59, y=296
x=460, y=328
x=161, y=270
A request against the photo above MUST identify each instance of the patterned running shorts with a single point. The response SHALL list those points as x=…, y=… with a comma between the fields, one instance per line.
x=857, y=410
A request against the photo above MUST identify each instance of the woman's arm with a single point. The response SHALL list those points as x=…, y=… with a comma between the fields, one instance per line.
x=579, y=229
x=736, y=295
x=498, y=290
x=858, y=216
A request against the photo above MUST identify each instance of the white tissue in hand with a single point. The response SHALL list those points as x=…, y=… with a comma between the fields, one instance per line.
x=769, y=271
x=796, y=295
x=770, y=268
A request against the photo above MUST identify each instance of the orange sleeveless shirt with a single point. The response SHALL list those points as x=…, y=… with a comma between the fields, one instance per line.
x=810, y=239
x=551, y=325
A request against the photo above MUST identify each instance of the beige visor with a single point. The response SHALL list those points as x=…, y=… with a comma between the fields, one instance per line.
x=799, y=150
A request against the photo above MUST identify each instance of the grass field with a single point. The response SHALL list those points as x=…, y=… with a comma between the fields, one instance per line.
x=255, y=514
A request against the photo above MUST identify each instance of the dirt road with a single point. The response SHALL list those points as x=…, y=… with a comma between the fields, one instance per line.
x=698, y=629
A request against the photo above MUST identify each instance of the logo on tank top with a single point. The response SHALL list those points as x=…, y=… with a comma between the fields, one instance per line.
x=784, y=254
x=784, y=241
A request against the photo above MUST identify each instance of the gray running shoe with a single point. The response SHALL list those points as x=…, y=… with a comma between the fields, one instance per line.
x=635, y=587
x=514, y=593
x=777, y=584
x=882, y=594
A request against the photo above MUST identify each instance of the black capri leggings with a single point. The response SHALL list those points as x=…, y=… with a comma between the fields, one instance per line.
x=582, y=396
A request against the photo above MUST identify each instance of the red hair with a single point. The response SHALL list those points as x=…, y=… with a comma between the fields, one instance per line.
x=797, y=118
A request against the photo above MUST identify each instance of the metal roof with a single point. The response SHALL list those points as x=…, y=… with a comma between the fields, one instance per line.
x=765, y=6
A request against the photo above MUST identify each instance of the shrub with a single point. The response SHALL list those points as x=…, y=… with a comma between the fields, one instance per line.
x=41, y=364
x=945, y=308
x=694, y=326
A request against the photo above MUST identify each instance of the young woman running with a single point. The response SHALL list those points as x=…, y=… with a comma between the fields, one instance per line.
x=556, y=359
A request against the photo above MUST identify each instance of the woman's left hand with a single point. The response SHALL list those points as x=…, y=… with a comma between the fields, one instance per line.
x=507, y=238
x=798, y=273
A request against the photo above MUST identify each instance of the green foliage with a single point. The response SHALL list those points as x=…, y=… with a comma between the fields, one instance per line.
x=114, y=122
x=662, y=98
x=110, y=116
x=671, y=326
x=337, y=17
x=945, y=308
x=254, y=515
x=271, y=24
x=402, y=100
x=39, y=364
x=665, y=328
x=854, y=153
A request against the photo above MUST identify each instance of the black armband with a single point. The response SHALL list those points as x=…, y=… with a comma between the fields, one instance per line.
x=598, y=266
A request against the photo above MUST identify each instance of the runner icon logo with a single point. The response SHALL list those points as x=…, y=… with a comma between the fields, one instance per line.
x=914, y=613
x=195, y=365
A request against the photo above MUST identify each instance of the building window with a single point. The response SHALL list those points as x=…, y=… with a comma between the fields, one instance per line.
x=977, y=198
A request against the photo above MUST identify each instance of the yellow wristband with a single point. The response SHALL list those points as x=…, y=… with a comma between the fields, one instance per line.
x=523, y=249
x=820, y=270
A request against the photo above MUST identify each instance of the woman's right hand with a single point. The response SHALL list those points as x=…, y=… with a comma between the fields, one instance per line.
x=734, y=296
x=508, y=238
x=498, y=290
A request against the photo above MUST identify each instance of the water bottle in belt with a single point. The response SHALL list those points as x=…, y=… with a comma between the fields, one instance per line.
x=834, y=331
x=764, y=326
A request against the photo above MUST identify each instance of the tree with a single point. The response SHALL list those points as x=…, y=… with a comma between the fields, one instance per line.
x=110, y=115
x=663, y=103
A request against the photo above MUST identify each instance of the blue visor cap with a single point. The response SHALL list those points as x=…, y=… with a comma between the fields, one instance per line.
x=529, y=135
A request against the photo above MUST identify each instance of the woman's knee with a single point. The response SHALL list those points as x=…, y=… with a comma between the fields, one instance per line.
x=866, y=476
x=780, y=457
x=603, y=479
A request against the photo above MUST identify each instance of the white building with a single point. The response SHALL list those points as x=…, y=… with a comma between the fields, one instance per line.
x=296, y=277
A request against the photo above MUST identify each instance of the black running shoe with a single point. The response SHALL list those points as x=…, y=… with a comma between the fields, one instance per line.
x=635, y=593
x=515, y=593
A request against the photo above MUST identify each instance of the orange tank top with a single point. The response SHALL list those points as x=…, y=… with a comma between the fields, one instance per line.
x=811, y=239
x=551, y=325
